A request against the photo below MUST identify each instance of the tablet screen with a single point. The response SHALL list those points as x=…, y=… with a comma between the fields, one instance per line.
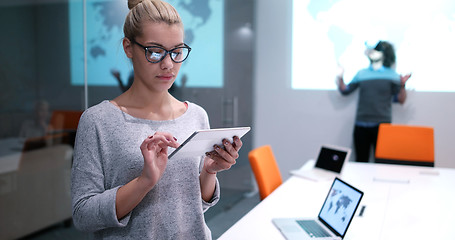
x=202, y=141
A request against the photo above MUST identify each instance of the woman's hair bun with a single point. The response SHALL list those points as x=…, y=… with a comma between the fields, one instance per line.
x=133, y=3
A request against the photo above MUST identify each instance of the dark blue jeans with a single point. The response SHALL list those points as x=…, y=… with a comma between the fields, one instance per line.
x=364, y=139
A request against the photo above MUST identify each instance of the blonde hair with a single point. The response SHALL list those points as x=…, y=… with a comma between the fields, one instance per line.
x=148, y=10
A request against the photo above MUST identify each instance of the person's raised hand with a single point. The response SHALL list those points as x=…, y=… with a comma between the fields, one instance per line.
x=115, y=73
x=404, y=78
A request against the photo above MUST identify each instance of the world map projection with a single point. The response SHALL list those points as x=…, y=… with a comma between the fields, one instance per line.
x=330, y=35
x=204, y=32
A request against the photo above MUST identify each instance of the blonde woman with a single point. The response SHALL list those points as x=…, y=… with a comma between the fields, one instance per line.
x=123, y=184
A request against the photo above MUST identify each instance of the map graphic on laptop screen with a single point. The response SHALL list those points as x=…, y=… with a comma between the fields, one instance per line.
x=340, y=206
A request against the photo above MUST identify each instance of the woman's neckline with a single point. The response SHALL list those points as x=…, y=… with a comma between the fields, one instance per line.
x=118, y=108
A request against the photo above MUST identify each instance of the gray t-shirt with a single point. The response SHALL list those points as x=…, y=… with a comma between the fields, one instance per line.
x=107, y=155
x=377, y=89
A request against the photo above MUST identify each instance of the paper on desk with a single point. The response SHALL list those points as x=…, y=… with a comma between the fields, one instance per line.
x=10, y=163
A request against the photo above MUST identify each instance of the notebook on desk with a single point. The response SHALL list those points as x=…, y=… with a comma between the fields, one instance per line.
x=334, y=217
x=329, y=163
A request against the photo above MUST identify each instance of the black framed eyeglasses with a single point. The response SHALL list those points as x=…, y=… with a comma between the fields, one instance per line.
x=156, y=54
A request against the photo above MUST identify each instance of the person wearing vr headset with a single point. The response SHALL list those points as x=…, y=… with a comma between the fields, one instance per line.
x=379, y=85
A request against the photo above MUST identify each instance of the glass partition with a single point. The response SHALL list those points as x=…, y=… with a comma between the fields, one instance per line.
x=39, y=112
x=45, y=63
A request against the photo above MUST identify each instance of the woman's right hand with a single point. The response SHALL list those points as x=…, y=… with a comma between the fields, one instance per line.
x=154, y=150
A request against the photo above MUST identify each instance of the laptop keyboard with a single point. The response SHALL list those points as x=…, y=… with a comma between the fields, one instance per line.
x=312, y=228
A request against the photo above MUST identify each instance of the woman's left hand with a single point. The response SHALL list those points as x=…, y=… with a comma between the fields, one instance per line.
x=222, y=157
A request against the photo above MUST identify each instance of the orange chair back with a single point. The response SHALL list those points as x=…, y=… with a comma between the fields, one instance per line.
x=65, y=119
x=405, y=144
x=265, y=169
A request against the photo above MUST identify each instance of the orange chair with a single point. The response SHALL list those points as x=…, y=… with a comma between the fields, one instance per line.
x=405, y=144
x=65, y=119
x=265, y=169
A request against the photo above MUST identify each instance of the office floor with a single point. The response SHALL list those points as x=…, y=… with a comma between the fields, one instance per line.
x=232, y=206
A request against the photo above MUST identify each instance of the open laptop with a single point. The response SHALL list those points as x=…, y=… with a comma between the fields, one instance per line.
x=333, y=220
x=329, y=163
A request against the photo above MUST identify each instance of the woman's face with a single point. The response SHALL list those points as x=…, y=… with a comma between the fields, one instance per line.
x=155, y=76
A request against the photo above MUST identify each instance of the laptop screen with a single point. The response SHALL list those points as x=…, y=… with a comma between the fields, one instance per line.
x=340, y=206
x=331, y=159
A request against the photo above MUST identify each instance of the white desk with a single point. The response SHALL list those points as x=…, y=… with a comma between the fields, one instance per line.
x=10, y=154
x=401, y=202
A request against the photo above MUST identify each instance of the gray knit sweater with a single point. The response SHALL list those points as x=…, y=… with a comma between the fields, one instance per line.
x=107, y=156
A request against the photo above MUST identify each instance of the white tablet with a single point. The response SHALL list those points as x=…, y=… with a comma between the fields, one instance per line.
x=202, y=141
